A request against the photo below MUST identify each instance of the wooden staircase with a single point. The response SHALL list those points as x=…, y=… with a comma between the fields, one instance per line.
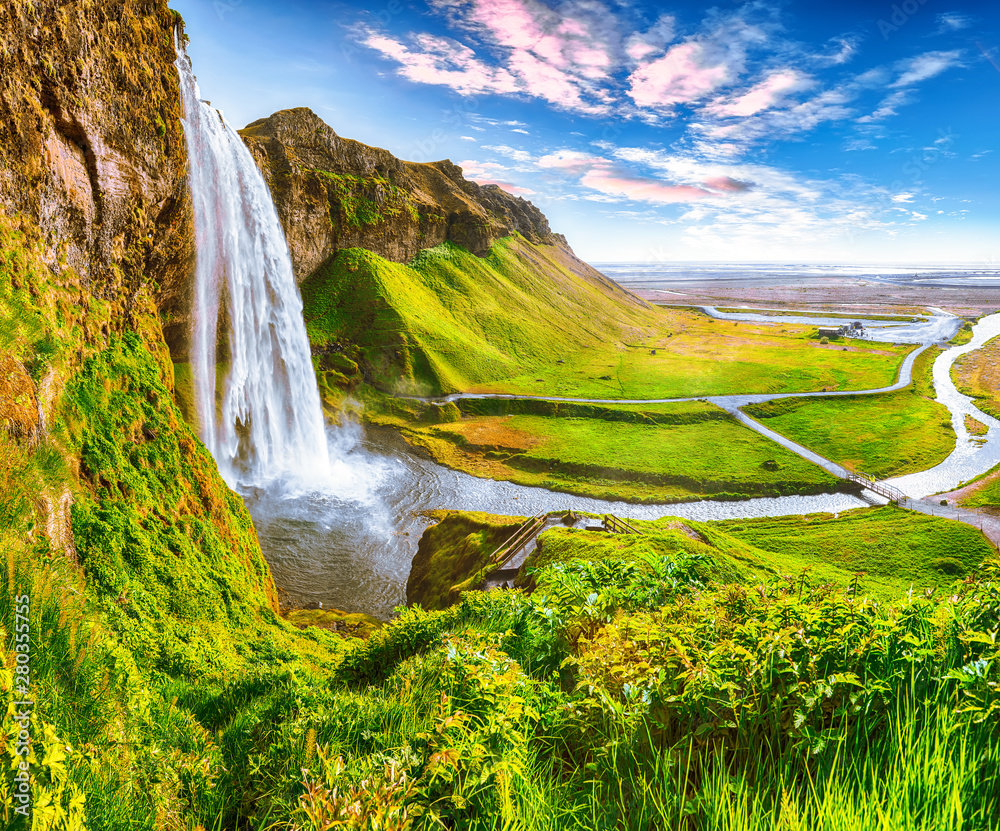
x=519, y=539
x=614, y=525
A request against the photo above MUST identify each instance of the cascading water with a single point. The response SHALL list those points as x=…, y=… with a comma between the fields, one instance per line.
x=264, y=419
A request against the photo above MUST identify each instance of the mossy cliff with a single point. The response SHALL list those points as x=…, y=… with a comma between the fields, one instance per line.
x=143, y=572
x=92, y=153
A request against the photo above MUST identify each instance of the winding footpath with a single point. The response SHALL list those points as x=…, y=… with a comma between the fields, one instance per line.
x=968, y=459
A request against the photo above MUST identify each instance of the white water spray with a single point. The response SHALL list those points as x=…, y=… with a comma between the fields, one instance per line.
x=264, y=419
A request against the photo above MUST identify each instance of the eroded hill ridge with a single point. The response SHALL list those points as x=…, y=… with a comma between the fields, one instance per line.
x=334, y=193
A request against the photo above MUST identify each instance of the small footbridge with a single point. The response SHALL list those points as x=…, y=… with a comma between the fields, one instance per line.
x=870, y=483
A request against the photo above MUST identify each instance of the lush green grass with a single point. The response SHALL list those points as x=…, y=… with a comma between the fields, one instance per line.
x=976, y=374
x=627, y=695
x=653, y=453
x=884, y=435
x=897, y=549
x=520, y=320
x=700, y=356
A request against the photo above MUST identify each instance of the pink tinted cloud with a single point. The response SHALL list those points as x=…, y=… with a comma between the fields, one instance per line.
x=471, y=168
x=545, y=81
x=606, y=179
x=557, y=57
x=444, y=62
x=510, y=21
x=764, y=95
x=728, y=184
x=685, y=74
x=505, y=186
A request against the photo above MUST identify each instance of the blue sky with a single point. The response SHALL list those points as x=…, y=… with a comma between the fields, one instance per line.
x=801, y=131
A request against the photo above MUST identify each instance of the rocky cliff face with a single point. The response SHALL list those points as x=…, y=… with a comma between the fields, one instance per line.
x=96, y=240
x=334, y=193
x=92, y=153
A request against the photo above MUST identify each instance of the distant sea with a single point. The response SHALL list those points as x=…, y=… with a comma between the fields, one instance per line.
x=678, y=274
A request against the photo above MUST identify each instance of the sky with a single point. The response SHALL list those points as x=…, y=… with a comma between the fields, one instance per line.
x=798, y=131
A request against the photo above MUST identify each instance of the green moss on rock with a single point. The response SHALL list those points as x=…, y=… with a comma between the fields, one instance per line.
x=451, y=551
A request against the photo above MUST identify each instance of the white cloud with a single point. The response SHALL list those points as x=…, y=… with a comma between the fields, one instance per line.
x=925, y=66
x=509, y=152
x=468, y=138
x=888, y=107
x=769, y=93
x=846, y=47
x=903, y=197
x=953, y=22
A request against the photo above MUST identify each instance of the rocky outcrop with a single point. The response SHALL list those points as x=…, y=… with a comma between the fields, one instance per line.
x=334, y=193
x=92, y=154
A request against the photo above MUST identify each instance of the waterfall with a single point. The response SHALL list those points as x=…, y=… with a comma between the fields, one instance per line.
x=257, y=400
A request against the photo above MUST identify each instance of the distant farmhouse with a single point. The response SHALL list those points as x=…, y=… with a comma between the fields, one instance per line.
x=853, y=330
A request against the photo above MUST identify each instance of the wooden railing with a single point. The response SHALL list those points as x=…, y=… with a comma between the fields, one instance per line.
x=871, y=483
x=614, y=525
x=520, y=538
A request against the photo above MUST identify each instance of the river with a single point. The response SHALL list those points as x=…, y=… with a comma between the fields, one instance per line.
x=349, y=545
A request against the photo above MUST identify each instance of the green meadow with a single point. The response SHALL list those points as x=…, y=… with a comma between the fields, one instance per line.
x=654, y=453
x=884, y=435
x=892, y=549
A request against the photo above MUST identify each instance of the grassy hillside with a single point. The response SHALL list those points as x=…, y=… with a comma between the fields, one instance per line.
x=450, y=320
x=888, y=550
x=531, y=319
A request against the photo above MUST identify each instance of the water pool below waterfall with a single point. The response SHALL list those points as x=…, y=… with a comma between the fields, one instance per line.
x=350, y=544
